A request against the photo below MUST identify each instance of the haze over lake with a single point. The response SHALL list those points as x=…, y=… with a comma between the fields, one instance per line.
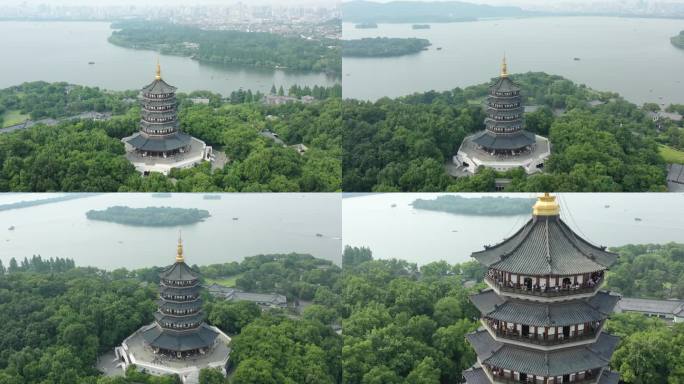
x=631, y=56
x=422, y=237
x=267, y=223
x=61, y=51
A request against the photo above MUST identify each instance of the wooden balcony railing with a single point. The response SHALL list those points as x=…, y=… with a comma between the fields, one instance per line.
x=588, y=334
x=548, y=292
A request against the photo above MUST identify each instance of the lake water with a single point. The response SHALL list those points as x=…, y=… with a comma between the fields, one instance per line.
x=630, y=56
x=424, y=236
x=60, y=51
x=268, y=223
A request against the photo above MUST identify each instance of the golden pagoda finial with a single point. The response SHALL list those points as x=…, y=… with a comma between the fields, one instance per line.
x=504, y=67
x=158, y=77
x=179, y=254
x=546, y=205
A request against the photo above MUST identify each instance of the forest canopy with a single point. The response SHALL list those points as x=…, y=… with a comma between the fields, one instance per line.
x=253, y=49
x=58, y=318
x=383, y=46
x=85, y=155
x=600, y=142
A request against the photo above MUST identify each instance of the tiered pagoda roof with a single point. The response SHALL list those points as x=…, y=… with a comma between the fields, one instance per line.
x=595, y=308
x=504, y=123
x=180, y=326
x=554, y=338
x=547, y=364
x=545, y=245
x=159, y=133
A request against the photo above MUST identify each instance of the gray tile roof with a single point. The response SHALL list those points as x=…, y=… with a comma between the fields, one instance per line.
x=579, y=311
x=535, y=362
x=170, y=142
x=179, y=271
x=505, y=84
x=674, y=307
x=179, y=305
x=180, y=341
x=609, y=377
x=162, y=318
x=546, y=246
x=237, y=295
x=488, y=139
x=179, y=290
x=159, y=87
x=475, y=376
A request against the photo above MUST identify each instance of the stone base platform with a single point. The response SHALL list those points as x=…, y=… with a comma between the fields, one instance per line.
x=135, y=350
x=199, y=152
x=470, y=157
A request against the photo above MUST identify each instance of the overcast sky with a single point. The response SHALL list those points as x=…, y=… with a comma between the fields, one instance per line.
x=326, y=3
x=540, y=2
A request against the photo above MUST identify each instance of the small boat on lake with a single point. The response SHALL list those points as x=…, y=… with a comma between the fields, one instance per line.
x=236, y=218
x=319, y=235
x=11, y=228
x=637, y=219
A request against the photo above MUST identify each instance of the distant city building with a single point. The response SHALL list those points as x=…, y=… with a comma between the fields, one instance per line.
x=160, y=146
x=660, y=118
x=543, y=313
x=668, y=310
x=179, y=341
x=504, y=144
x=264, y=300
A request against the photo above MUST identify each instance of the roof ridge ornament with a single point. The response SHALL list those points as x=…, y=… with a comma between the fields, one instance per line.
x=546, y=205
x=504, y=67
x=179, y=254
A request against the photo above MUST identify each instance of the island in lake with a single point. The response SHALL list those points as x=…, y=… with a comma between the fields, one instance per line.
x=248, y=49
x=150, y=216
x=678, y=41
x=383, y=46
x=477, y=206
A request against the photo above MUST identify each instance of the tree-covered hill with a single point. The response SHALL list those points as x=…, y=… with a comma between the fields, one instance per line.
x=649, y=271
x=383, y=46
x=403, y=144
x=57, y=319
x=149, y=216
x=478, y=206
x=405, y=324
x=252, y=49
x=87, y=155
x=678, y=41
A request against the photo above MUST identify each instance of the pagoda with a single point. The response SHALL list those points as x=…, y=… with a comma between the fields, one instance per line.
x=159, y=145
x=504, y=144
x=543, y=312
x=180, y=330
x=178, y=341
